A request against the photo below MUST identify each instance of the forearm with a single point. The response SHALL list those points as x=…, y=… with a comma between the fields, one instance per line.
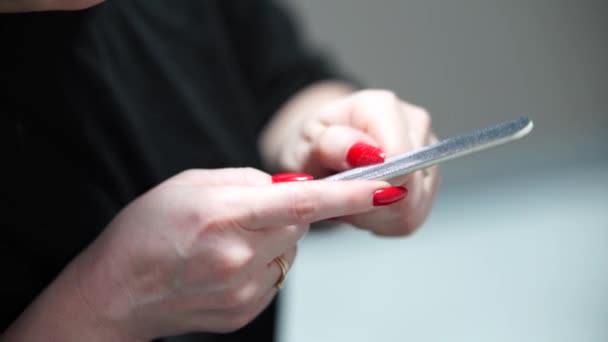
x=290, y=116
x=61, y=313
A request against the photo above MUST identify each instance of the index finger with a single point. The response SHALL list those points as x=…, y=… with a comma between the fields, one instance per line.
x=300, y=203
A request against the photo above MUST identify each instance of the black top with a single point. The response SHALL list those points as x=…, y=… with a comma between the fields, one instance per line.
x=100, y=105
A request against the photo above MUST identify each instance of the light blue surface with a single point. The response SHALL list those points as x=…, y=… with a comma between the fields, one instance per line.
x=517, y=259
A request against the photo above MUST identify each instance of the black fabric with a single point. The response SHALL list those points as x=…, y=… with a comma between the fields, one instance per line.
x=102, y=104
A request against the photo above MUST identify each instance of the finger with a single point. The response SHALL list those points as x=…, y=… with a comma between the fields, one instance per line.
x=272, y=272
x=419, y=208
x=223, y=321
x=393, y=220
x=405, y=217
x=253, y=294
x=431, y=180
x=226, y=176
x=272, y=242
x=264, y=280
x=340, y=148
x=431, y=174
x=419, y=125
x=378, y=113
x=420, y=135
x=295, y=203
x=379, y=222
x=250, y=312
x=419, y=128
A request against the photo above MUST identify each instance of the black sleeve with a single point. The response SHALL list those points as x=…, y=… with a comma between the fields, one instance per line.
x=274, y=58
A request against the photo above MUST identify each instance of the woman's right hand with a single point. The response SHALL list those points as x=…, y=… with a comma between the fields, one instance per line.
x=196, y=252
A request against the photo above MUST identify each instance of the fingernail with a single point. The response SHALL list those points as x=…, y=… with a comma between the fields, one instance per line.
x=389, y=195
x=361, y=154
x=291, y=177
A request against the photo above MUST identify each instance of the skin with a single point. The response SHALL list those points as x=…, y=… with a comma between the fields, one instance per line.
x=196, y=252
x=314, y=130
x=193, y=254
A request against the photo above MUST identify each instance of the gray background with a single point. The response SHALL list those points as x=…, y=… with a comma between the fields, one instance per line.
x=517, y=246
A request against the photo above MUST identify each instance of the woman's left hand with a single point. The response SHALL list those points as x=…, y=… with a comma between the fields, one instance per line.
x=360, y=129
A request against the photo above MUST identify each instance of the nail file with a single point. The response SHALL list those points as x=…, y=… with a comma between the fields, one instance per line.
x=444, y=150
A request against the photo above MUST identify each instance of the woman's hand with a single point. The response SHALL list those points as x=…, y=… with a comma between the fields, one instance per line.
x=193, y=254
x=353, y=130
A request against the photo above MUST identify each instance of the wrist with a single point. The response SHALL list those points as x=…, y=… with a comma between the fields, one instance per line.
x=61, y=313
x=104, y=323
x=96, y=281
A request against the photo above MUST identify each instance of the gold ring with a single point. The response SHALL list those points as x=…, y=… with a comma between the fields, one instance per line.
x=425, y=172
x=284, y=265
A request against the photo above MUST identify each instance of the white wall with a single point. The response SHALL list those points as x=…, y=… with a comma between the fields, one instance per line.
x=476, y=62
x=517, y=246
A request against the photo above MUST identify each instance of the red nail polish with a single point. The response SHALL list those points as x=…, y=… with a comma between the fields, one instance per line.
x=291, y=177
x=389, y=195
x=361, y=154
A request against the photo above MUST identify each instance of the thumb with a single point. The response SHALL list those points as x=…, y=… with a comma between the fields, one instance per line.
x=341, y=148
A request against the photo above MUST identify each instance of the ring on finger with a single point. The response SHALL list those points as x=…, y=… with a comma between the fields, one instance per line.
x=284, y=266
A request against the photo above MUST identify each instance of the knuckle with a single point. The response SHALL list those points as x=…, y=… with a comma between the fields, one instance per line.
x=235, y=299
x=388, y=95
x=423, y=114
x=426, y=118
x=380, y=95
x=227, y=258
x=190, y=229
x=293, y=158
x=204, y=222
x=303, y=208
x=233, y=261
x=194, y=217
x=427, y=124
x=220, y=220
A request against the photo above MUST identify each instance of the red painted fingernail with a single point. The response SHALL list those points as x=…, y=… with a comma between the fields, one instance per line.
x=291, y=177
x=389, y=195
x=361, y=154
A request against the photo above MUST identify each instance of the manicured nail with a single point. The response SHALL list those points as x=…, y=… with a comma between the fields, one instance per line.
x=361, y=154
x=389, y=195
x=291, y=177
